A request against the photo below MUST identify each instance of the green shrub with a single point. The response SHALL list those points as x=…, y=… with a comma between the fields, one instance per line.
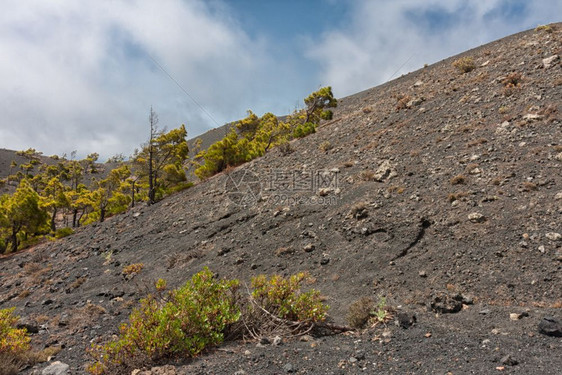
x=63, y=232
x=187, y=321
x=325, y=146
x=302, y=130
x=179, y=187
x=282, y=297
x=14, y=343
x=365, y=311
x=197, y=316
x=546, y=28
x=132, y=268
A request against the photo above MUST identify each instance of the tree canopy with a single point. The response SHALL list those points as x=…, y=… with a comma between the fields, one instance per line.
x=253, y=136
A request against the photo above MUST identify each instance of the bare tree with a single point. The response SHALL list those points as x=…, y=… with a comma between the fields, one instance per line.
x=153, y=120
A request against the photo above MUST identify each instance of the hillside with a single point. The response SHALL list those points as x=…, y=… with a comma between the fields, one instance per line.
x=441, y=190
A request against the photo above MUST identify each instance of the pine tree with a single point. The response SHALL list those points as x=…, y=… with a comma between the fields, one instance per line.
x=22, y=212
x=160, y=161
x=54, y=198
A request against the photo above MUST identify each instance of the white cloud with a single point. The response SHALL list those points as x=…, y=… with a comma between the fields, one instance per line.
x=79, y=75
x=384, y=35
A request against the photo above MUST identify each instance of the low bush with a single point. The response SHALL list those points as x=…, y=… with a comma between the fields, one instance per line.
x=199, y=315
x=283, y=297
x=302, y=130
x=132, y=268
x=458, y=180
x=63, y=232
x=546, y=28
x=179, y=187
x=465, y=64
x=360, y=312
x=185, y=322
x=14, y=343
x=365, y=311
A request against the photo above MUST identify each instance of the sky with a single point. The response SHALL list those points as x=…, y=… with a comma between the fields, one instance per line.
x=83, y=75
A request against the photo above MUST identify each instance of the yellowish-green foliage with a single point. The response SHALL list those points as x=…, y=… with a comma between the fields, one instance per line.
x=63, y=232
x=21, y=213
x=546, y=28
x=111, y=194
x=253, y=136
x=55, y=199
x=169, y=151
x=132, y=268
x=464, y=64
x=12, y=339
x=283, y=297
x=318, y=105
x=48, y=193
x=14, y=343
x=81, y=202
x=184, y=323
x=229, y=151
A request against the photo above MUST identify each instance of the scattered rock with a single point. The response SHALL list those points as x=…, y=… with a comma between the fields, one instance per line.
x=288, y=368
x=63, y=320
x=415, y=102
x=508, y=360
x=360, y=355
x=550, y=61
x=476, y=217
x=309, y=247
x=30, y=325
x=385, y=171
x=422, y=274
x=277, y=340
x=532, y=116
x=306, y=338
x=467, y=299
x=162, y=370
x=551, y=327
x=405, y=320
x=554, y=236
x=445, y=303
x=517, y=316
x=56, y=368
x=558, y=196
x=542, y=249
x=223, y=251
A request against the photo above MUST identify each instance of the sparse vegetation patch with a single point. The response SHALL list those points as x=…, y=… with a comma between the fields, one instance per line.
x=464, y=64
